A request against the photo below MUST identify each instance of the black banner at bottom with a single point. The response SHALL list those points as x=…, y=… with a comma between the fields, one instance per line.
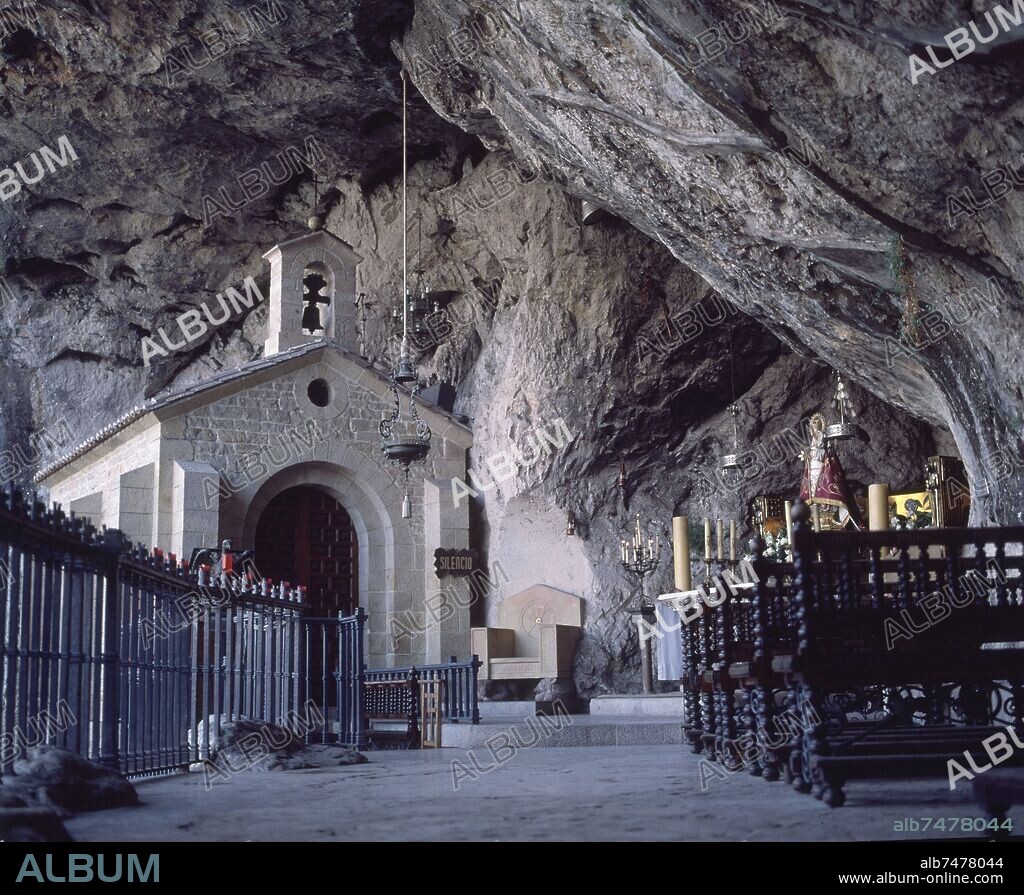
x=175, y=866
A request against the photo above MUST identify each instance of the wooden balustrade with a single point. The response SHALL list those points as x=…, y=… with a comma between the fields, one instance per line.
x=885, y=653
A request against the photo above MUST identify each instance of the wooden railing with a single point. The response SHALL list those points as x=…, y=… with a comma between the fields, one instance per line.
x=906, y=646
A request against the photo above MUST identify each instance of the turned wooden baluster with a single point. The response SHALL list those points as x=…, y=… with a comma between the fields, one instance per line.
x=903, y=579
x=825, y=598
x=852, y=579
x=763, y=713
x=803, y=585
x=981, y=571
x=953, y=573
x=690, y=709
x=876, y=576
x=922, y=577
x=1000, y=572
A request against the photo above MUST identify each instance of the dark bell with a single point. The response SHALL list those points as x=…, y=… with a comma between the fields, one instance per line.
x=313, y=285
x=311, y=318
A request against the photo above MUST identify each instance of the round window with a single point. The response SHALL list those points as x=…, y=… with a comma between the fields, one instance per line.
x=319, y=392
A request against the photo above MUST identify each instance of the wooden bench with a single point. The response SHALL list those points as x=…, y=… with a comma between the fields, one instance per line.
x=391, y=711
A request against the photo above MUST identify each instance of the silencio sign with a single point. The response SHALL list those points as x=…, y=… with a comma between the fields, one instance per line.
x=454, y=562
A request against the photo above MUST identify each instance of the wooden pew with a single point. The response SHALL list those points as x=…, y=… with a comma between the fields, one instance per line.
x=929, y=624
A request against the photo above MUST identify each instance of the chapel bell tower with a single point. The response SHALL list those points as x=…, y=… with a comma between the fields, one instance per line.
x=312, y=291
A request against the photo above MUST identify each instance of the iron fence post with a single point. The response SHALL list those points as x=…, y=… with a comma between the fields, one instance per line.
x=359, y=676
x=110, y=650
x=474, y=701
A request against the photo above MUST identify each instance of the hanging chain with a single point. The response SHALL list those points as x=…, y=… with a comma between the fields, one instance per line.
x=405, y=209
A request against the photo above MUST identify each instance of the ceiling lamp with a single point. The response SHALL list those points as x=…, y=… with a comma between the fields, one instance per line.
x=731, y=464
x=732, y=461
x=845, y=429
x=412, y=447
x=417, y=309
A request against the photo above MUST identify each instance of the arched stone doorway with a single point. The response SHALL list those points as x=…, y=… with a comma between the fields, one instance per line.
x=394, y=576
x=305, y=536
x=381, y=542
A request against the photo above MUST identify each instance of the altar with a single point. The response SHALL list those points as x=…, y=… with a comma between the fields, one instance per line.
x=712, y=566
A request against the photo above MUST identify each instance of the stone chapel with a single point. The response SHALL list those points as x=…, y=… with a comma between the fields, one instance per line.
x=282, y=455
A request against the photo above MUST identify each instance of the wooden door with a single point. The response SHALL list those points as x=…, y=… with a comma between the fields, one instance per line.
x=304, y=536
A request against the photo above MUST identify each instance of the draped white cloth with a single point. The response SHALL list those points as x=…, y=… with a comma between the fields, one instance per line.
x=669, y=644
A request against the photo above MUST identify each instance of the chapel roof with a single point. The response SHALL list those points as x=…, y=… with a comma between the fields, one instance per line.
x=173, y=396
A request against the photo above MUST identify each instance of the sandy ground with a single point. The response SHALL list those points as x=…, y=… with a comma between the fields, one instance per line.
x=578, y=793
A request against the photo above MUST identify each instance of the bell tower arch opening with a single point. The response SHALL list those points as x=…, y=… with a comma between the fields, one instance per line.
x=312, y=292
x=318, y=298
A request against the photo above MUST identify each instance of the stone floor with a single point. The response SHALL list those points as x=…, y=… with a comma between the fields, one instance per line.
x=578, y=793
x=568, y=730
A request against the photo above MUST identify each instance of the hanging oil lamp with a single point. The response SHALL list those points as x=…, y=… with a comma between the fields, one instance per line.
x=845, y=429
x=412, y=447
x=731, y=461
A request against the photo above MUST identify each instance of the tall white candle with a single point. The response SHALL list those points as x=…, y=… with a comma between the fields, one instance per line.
x=789, y=521
x=707, y=540
x=681, y=551
x=878, y=507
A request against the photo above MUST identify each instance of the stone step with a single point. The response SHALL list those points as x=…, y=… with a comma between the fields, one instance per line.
x=564, y=730
x=513, y=708
x=646, y=705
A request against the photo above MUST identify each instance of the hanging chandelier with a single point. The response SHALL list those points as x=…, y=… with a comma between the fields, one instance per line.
x=731, y=461
x=416, y=311
x=845, y=429
x=413, y=446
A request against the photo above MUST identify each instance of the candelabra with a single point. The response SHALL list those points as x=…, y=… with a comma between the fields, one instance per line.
x=641, y=556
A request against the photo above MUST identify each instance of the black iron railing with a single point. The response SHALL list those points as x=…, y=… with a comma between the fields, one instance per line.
x=117, y=653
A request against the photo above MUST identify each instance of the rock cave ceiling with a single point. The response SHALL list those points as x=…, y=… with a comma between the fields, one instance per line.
x=776, y=173
x=779, y=164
